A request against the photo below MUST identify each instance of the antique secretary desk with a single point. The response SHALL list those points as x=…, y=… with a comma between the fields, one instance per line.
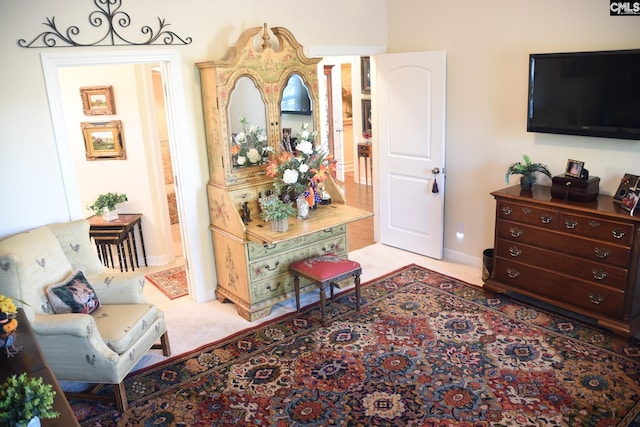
x=252, y=261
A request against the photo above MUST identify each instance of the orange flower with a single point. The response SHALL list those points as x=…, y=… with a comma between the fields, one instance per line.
x=235, y=149
x=10, y=326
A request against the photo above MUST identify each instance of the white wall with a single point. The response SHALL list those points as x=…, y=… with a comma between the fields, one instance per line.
x=487, y=46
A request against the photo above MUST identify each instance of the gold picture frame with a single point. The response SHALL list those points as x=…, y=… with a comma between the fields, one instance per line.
x=574, y=168
x=104, y=140
x=97, y=100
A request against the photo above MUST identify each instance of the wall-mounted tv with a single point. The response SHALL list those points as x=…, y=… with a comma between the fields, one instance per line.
x=295, y=97
x=585, y=93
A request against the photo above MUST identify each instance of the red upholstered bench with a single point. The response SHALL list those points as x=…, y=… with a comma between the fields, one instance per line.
x=326, y=270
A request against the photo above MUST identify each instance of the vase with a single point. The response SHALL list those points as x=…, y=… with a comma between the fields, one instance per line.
x=109, y=215
x=303, y=206
x=526, y=182
x=280, y=225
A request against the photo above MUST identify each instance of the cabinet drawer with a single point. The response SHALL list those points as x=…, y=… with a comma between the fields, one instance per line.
x=598, y=299
x=609, y=231
x=600, y=273
x=257, y=251
x=573, y=245
x=528, y=214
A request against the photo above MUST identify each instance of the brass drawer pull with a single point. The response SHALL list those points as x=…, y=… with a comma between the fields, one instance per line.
x=546, y=219
x=512, y=273
x=275, y=267
x=594, y=224
x=328, y=230
x=618, y=234
x=599, y=274
x=507, y=210
x=602, y=252
x=325, y=250
x=516, y=232
x=274, y=289
x=514, y=251
x=570, y=224
x=526, y=210
x=595, y=298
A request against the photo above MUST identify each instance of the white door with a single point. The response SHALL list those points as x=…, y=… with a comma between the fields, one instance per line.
x=409, y=106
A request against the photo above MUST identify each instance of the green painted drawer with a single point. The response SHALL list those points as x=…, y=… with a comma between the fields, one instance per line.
x=257, y=251
x=275, y=289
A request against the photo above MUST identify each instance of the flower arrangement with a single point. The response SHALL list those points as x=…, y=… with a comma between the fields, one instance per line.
x=107, y=200
x=8, y=325
x=297, y=168
x=249, y=146
x=23, y=398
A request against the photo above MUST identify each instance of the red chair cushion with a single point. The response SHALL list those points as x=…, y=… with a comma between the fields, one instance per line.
x=324, y=267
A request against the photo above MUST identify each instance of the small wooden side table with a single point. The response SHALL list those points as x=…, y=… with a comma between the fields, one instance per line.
x=364, y=151
x=121, y=234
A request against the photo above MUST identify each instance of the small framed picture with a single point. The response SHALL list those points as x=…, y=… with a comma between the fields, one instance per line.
x=97, y=100
x=104, y=140
x=574, y=168
x=366, y=117
x=365, y=73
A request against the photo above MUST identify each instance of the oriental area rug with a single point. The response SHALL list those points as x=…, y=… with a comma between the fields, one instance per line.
x=424, y=350
x=172, y=282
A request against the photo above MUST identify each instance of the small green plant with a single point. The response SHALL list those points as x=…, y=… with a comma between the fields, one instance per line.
x=107, y=200
x=23, y=398
x=277, y=209
x=527, y=169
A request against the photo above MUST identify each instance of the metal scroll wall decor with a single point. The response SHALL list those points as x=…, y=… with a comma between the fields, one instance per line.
x=108, y=17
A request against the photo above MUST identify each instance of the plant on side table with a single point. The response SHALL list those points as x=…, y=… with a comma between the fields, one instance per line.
x=24, y=401
x=278, y=212
x=527, y=170
x=106, y=205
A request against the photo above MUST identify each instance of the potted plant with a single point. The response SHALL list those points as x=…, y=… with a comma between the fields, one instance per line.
x=106, y=204
x=278, y=212
x=527, y=170
x=24, y=400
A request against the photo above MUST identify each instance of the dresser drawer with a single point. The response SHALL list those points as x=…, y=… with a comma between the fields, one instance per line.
x=528, y=214
x=256, y=251
x=609, y=231
x=592, y=271
x=569, y=290
x=572, y=245
x=279, y=262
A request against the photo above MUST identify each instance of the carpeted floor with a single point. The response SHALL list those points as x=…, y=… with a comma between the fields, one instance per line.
x=425, y=349
x=171, y=282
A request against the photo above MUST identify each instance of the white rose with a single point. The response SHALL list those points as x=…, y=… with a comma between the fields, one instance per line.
x=306, y=147
x=290, y=176
x=253, y=129
x=242, y=160
x=254, y=155
x=241, y=138
x=304, y=135
x=303, y=168
x=262, y=137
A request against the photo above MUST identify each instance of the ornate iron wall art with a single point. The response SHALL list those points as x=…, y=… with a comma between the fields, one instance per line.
x=107, y=16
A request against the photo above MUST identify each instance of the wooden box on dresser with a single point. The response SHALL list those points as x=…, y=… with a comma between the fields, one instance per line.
x=252, y=261
x=580, y=257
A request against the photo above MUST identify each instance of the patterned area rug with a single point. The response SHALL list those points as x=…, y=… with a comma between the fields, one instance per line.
x=172, y=282
x=425, y=350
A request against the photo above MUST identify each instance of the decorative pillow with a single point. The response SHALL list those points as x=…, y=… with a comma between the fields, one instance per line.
x=74, y=295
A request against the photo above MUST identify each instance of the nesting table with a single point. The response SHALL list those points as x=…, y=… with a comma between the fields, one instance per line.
x=121, y=234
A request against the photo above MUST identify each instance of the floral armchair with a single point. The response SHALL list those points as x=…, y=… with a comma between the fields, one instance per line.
x=110, y=326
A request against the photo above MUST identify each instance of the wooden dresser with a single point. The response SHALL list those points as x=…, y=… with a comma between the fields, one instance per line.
x=581, y=257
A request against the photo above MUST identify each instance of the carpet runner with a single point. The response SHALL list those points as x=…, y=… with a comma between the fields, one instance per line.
x=425, y=350
x=171, y=282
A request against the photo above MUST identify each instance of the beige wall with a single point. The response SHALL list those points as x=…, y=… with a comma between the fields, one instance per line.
x=487, y=46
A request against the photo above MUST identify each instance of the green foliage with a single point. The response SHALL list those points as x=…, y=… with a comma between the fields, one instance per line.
x=22, y=398
x=277, y=209
x=108, y=200
x=527, y=169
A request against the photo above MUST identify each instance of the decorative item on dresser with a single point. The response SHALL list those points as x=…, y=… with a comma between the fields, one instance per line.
x=575, y=256
x=252, y=260
x=527, y=170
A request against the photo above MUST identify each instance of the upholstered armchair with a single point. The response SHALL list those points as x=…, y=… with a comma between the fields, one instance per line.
x=93, y=327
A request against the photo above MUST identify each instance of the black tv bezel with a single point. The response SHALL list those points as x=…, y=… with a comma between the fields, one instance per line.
x=591, y=131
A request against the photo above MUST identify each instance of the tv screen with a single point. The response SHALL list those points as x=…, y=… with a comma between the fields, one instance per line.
x=585, y=93
x=295, y=97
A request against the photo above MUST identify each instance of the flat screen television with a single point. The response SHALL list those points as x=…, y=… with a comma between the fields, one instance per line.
x=295, y=97
x=585, y=93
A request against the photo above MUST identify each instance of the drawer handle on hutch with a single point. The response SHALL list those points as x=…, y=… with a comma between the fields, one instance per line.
x=595, y=298
x=594, y=224
x=325, y=250
x=515, y=251
x=516, y=232
x=602, y=252
x=275, y=267
x=618, y=234
x=599, y=274
x=526, y=210
x=328, y=230
x=512, y=273
x=570, y=224
x=546, y=219
x=507, y=210
x=276, y=288
x=268, y=246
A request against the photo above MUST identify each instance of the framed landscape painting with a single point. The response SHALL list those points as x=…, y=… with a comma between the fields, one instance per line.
x=97, y=100
x=104, y=140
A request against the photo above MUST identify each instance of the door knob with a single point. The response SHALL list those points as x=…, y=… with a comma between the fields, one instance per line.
x=435, y=171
